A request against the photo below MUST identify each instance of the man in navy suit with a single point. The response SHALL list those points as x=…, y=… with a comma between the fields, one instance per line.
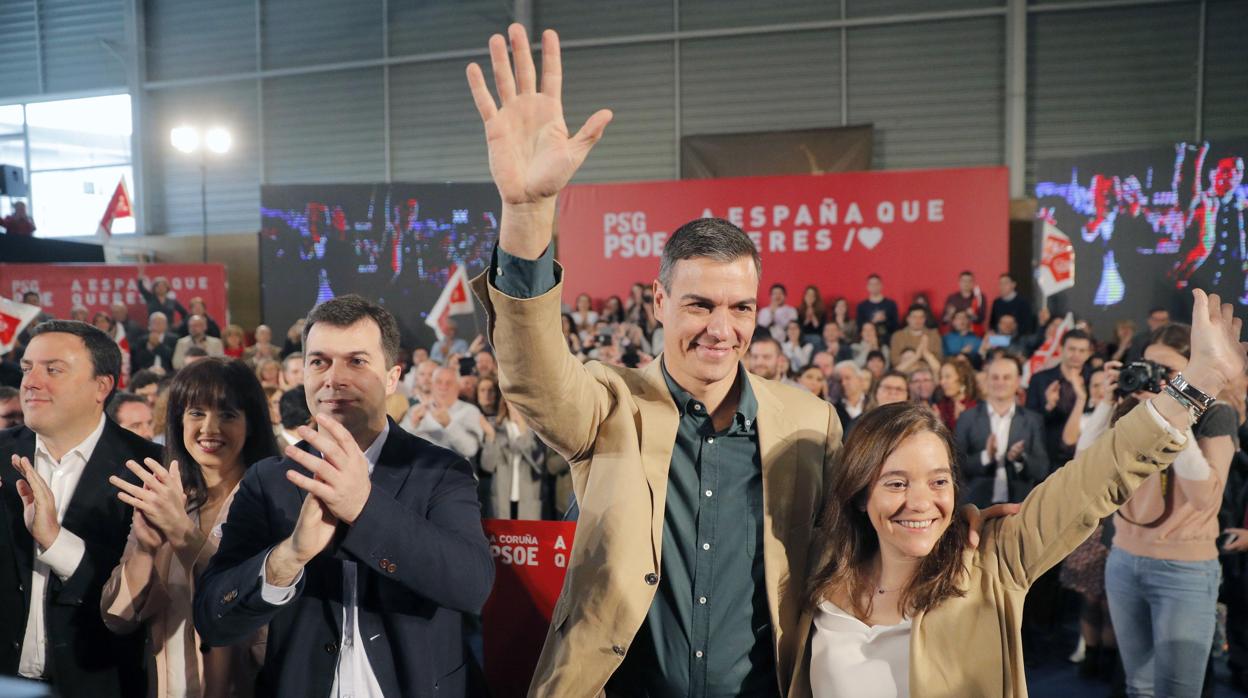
x=1001, y=443
x=362, y=547
x=62, y=528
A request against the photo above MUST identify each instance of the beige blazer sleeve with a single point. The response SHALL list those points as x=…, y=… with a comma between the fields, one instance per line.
x=565, y=401
x=125, y=605
x=1064, y=510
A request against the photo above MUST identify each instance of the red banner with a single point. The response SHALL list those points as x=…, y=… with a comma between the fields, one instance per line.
x=97, y=286
x=530, y=560
x=918, y=229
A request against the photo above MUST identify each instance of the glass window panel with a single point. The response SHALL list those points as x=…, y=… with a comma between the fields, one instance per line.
x=79, y=132
x=10, y=119
x=12, y=151
x=72, y=202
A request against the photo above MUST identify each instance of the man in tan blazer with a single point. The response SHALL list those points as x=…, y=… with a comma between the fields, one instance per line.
x=698, y=484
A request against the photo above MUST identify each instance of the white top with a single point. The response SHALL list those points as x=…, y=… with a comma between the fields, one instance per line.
x=354, y=677
x=462, y=435
x=65, y=553
x=777, y=319
x=1001, y=429
x=849, y=658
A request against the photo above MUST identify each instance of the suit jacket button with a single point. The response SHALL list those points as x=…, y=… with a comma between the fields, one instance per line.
x=331, y=648
x=384, y=564
x=618, y=650
x=392, y=568
x=652, y=579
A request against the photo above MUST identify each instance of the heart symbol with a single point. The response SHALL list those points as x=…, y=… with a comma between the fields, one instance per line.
x=870, y=237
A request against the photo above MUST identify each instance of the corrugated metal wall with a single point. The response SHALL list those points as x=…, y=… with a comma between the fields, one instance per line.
x=309, y=99
x=1111, y=80
x=932, y=105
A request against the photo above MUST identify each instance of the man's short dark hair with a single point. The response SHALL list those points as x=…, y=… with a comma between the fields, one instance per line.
x=1154, y=311
x=8, y=393
x=293, y=408
x=966, y=272
x=144, y=378
x=766, y=339
x=917, y=306
x=875, y=276
x=196, y=352
x=1008, y=275
x=119, y=399
x=1075, y=334
x=1003, y=354
x=710, y=238
x=105, y=354
x=781, y=287
x=28, y=294
x=345, y=311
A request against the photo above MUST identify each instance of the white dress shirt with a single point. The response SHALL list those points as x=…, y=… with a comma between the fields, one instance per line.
x=777, y=320
x=850, y=658
x=354, y=676
x=462, y=435
x=65, y=553
x=1001, y=429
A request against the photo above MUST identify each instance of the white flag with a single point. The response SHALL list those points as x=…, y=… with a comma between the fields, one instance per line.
x=456, y=299
x=14, y=317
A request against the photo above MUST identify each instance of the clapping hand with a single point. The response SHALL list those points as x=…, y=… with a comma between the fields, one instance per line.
x=341, y=480
x=38, y=505
x=1015, y=452
x=161, y=499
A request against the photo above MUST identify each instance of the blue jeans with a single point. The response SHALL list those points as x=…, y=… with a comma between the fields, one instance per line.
x=1164, y=613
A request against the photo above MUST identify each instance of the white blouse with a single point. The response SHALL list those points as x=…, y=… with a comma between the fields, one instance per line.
x=850, y=658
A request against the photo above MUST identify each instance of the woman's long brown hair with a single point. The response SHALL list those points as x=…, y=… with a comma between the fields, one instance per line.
x=846, y=536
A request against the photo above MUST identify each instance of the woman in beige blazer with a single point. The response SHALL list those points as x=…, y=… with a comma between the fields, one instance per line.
x=901, y=607
x=217, y=424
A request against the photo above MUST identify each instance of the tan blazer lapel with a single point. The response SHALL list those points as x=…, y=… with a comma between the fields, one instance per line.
x=778, y=454
x=660, y=421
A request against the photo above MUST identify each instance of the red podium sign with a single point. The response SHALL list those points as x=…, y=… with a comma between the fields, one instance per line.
x=530, y=559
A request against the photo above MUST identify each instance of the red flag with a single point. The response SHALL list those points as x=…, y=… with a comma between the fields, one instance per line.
x=118, y=207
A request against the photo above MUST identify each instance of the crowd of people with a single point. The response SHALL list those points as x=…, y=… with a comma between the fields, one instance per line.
x=196, y=509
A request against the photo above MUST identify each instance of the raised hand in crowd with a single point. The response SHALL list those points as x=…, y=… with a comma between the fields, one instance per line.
x=1052, y=396
x=486, y=428
x=532, y=155
x=38, y=506
x=478, y=344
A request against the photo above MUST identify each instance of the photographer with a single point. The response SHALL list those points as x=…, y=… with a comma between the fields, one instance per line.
x=1162, y=575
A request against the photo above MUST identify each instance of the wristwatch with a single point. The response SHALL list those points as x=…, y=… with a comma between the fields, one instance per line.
x=1195, y=400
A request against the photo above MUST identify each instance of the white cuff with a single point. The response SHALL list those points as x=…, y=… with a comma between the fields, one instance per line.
x=985, y=458
x=1190, y=464
x=64, y=555
x=276, y=595
x=1179, y=436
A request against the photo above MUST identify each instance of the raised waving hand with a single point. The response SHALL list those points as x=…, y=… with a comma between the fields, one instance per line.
x=532, y=154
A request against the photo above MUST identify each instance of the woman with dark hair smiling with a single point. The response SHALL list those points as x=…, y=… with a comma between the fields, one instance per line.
x=217, y=425
x=897, y=593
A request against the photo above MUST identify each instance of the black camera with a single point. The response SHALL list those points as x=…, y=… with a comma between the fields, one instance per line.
x=1145, y=375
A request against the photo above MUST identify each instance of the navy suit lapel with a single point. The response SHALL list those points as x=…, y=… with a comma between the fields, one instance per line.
x=15, y=527
x=392, y=468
